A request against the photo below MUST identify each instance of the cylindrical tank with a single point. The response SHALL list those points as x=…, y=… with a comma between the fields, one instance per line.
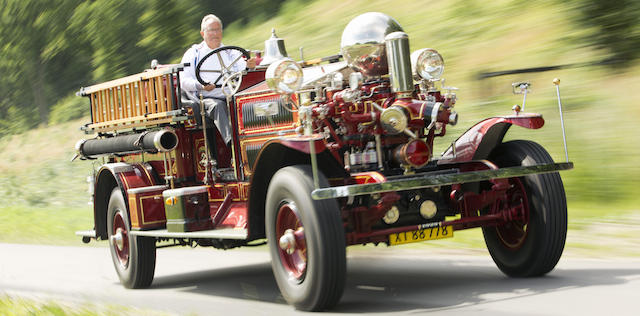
x=398, y=58
x=158, y=141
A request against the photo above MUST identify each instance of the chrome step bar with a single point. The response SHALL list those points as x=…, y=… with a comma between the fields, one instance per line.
x=223, y=233
x=435, y=179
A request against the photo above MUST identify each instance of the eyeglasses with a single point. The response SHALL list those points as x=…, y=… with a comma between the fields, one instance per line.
x=213, y=30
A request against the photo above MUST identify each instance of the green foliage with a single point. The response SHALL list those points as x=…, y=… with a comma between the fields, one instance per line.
x=52, y=48
x=613, y=26
x=69, y=108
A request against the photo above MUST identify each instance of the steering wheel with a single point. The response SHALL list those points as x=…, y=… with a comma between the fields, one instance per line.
x=230, y=80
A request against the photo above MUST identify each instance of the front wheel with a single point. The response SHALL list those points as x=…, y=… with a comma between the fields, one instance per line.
x=133, y=257
x=531, y=246
x=306, y=241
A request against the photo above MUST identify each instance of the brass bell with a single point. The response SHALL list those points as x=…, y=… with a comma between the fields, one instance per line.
x=273, y=49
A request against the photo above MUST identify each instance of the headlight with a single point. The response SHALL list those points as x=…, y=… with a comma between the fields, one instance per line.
x=284, y=76
x=427, y=64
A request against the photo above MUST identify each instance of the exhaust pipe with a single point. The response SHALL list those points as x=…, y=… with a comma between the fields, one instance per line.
x=152, y=142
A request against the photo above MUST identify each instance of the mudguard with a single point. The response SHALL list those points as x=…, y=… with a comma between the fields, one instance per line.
x=478, y=141
x=123, y=175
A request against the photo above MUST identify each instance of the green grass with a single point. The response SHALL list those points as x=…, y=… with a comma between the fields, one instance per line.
x=14, y=306
x=48, y=225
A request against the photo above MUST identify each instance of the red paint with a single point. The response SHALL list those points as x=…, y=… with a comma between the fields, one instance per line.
x=294, y=263
x=467, y=144
x=301, y=143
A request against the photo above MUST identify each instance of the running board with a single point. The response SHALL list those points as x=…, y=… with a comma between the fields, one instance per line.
x=224, y=233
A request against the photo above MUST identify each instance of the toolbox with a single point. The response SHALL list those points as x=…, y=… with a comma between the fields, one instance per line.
x=187, y=209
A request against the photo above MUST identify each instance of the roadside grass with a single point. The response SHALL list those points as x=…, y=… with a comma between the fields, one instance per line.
x=38, y=225
x=18, y=306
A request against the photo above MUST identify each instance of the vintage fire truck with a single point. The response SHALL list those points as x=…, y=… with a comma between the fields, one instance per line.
x=325, y=154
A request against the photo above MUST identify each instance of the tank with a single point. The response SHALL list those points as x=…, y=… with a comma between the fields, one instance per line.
x=363, y=42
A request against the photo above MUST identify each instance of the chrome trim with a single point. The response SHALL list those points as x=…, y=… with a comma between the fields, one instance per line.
x=118, y=167
x=147, y=189
x=157, y=140
x=397, y=45
x=185, y=191
x=362, y=43
x=429, y=180
x=279, y=133
x=86, y=233
x=225, y=233
x=556, y=82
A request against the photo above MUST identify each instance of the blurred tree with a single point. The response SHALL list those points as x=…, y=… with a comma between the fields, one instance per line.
x=31, y=38
x=615, y=27
x=112, y=29
x=51, y=48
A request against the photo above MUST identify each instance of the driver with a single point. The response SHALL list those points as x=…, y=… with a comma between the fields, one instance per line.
x=215, y=101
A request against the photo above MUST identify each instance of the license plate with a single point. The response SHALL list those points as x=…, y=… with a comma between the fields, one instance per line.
x=430, y=233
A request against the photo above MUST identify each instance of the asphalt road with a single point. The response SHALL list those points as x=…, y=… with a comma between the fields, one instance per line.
x=386, y=281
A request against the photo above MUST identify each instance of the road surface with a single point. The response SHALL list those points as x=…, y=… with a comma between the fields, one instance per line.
x=385, y=281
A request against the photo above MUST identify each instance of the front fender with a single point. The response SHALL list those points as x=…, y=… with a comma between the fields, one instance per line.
x=277, y=154
x=478, y=141
x=124, y=176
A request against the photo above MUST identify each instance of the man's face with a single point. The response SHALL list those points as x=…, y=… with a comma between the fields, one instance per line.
x=212, y=34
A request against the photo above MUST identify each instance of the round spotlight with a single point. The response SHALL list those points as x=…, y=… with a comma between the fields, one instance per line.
x=427, y=64
x=284, y=76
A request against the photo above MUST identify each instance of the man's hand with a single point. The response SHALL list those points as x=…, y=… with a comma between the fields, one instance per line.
x=208, y=87
x=251, y=63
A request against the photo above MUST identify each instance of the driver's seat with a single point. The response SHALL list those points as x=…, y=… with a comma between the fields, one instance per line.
x=218, y=149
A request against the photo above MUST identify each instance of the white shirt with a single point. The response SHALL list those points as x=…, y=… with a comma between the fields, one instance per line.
x=194, y=55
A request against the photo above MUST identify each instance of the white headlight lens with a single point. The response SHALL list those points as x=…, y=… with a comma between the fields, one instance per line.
x=284, y=76
x=427, y=64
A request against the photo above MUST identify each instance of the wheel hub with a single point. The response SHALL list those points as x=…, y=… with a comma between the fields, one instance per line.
x=514, y=233
x=290, y=239
x=118, y=239
x=292, y=245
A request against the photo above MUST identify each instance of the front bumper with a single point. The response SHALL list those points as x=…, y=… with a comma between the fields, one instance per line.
x=436, y=179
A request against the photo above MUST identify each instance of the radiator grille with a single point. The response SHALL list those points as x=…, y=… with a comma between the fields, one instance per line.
x=264, y=113
x=252, y=151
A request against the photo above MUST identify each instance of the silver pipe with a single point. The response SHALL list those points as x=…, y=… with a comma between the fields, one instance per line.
x=206, y=143
x=379, y=151
x=397, y=45
x=556, y=82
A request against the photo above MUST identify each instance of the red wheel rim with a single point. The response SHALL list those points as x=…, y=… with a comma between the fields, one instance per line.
x=514, y=233
x=120, y=239
x=295, y=261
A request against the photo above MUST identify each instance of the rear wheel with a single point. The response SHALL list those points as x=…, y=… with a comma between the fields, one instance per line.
x=306, y=241
x=530, y=246
x=133, y=257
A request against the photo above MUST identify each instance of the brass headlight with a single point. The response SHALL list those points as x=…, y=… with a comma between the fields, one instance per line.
x=427, y=64
x=284, y=76
x=394, y=120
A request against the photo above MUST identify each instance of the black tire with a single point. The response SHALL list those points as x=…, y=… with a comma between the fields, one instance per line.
x=135, y=259
x=321, y=283
x=544, y=235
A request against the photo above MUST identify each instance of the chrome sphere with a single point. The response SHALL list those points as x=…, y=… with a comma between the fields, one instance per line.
x=363, y=45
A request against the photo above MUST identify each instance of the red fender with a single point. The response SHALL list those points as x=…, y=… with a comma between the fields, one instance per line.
x=478, y=142
x=123, y=175
x=301, y=143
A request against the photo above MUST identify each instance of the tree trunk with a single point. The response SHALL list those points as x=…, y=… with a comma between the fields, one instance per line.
x=38, y=84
